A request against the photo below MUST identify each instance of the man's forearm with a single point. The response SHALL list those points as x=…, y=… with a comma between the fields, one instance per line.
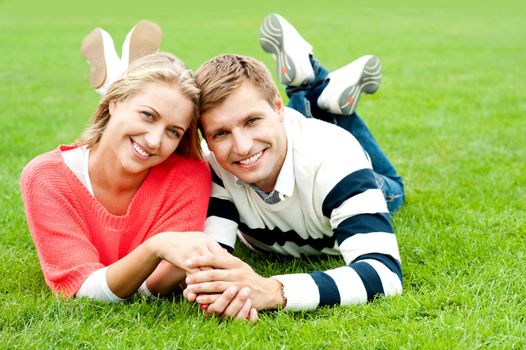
x=354, y=284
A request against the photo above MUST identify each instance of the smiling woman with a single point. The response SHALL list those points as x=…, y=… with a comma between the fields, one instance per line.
x=124, y=207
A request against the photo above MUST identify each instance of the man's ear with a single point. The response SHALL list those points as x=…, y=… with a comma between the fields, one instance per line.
x=279, y=106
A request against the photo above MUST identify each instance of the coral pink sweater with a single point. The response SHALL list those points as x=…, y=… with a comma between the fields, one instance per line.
x=75, y=235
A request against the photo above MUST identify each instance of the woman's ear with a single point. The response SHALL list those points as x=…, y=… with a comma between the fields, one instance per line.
x=111, y=106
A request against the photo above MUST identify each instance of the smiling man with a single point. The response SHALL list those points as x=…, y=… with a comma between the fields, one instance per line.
x=289, y=183
x=247, y=136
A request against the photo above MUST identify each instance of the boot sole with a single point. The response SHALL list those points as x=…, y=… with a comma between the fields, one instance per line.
x=93, y=50
x=145, y=39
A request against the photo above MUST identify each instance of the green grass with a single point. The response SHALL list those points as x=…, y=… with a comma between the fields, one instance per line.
x=450, y=114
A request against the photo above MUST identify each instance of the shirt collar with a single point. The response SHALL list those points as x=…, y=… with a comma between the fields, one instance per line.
x=285, y=181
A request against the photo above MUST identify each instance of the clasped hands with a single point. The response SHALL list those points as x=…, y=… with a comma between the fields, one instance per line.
x=226, y=286
x=221, y=283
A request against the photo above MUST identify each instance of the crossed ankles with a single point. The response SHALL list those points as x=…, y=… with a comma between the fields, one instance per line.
x=293, y=67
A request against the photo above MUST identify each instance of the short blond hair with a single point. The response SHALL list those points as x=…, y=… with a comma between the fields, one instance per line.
x=162, y=68
x=223, y=74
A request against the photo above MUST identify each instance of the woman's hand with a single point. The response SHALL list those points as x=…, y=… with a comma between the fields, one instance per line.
x=177, y=247
x=127, y=274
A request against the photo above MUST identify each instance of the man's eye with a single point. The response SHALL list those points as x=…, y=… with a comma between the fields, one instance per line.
x=220, y=133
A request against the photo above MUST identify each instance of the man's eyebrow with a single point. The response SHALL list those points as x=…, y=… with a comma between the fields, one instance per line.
x=254, y=113
x=212, y=132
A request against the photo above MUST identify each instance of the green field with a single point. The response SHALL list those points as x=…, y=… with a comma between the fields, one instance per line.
x=451, y=114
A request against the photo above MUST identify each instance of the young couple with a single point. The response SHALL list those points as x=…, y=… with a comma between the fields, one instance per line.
x=124, y=209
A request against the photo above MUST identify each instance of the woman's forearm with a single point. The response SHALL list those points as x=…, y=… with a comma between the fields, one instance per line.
x=166, y=279
x=126, y=275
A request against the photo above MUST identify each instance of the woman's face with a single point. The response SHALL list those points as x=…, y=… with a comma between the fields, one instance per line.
x=145, y=130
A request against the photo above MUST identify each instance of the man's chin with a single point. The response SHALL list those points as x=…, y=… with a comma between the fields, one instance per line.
x=246, y=179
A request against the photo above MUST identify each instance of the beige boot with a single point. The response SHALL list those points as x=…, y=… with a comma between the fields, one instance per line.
x=105, y=65
x=143, y=39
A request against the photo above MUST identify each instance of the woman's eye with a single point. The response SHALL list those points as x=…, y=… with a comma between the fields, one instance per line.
x=173, y=133
x=251, y=121
x=148, y=115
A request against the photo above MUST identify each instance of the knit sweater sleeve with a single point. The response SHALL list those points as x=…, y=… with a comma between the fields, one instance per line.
x=66, y=255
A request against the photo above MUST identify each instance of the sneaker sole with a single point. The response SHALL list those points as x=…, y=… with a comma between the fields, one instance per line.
x=368, y=83
x=145, y=39
x=93, y=50
x=271, y=41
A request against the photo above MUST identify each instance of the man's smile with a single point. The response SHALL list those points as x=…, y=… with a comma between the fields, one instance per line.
x=250, y=161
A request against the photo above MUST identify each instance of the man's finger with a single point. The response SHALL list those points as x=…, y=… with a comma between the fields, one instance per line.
x=237, y=304
x=207, y=298
x=213, y=275
x=219, y=306
x=215, y=261
x=253, y=317
x=208, y=287
x=244, y=312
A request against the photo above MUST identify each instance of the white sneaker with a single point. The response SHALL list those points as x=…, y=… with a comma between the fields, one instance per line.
x=291, y=52
x=105, y=65
x=143, y=39
x=346, y=85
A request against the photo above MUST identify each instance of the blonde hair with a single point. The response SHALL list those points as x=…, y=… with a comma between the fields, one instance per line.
x=162, y=68
x=223, y=74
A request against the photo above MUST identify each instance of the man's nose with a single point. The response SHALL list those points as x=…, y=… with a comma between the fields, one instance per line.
x=242, y=142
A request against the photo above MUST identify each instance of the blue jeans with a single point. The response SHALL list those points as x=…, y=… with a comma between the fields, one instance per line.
x=304, y=100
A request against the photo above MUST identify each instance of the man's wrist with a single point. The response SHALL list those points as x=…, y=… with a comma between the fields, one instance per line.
x=278, y=293
x=283, y=296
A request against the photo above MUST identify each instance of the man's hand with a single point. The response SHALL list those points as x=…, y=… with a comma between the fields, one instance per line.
x=211, y=287
x=232, y=304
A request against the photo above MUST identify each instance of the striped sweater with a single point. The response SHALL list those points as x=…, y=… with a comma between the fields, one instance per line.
x=335, y=208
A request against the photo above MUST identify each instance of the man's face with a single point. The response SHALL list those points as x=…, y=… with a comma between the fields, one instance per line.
x=247, y=136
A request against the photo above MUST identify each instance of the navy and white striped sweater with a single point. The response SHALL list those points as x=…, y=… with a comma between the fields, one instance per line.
x=335, y=208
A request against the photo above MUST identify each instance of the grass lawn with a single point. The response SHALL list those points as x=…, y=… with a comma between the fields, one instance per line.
x=450, y=114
